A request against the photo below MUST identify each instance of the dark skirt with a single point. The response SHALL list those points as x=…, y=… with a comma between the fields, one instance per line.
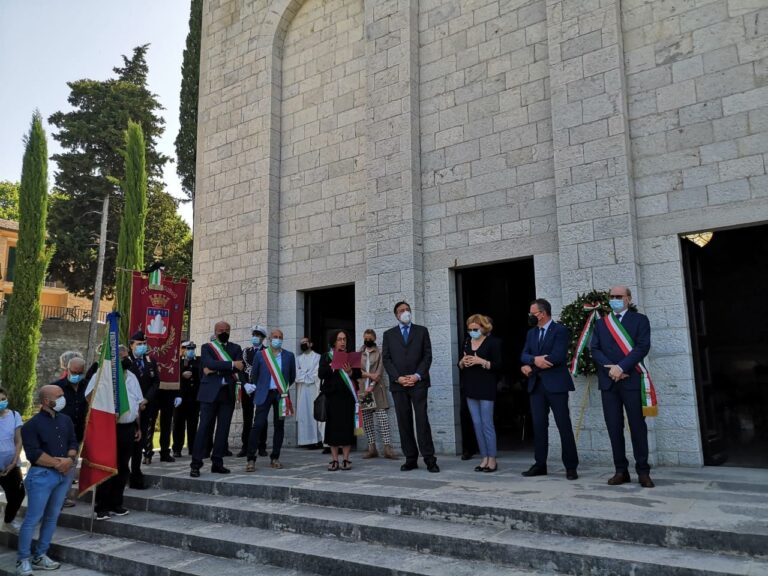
x=340, y=419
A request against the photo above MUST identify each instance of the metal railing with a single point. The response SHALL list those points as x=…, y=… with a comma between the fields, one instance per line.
x=73, y=314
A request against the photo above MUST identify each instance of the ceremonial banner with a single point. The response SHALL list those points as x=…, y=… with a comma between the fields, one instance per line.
x=157, y=308
x=108, y=399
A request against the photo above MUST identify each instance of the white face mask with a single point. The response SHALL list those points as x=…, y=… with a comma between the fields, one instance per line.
x=60, y=403
x=405, y=317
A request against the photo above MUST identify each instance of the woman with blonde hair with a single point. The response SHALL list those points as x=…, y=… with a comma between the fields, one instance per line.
x=481, y=366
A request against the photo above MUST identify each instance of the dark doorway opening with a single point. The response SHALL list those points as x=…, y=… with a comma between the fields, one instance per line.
x=725, y=284
x=502, y=291
x=326, y=310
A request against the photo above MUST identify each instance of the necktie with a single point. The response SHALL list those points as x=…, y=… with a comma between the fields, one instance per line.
x=620, y=316
x=406, y=329
x=541, y=336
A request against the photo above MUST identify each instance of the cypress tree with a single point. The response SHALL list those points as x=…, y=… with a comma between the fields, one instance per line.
x=22, y=334
x=130, y=245
x=186, y=139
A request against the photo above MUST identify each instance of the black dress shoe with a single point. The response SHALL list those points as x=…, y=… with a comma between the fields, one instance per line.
x=177, y=453
x=466, y=456
x=433, y=467
x=535, y=470
x=194, y=473
x=167, y=458
x=409, y=466
x=228, y=453
x=619, y=478
x=220, y=470
x=137, y=484
x=645, y=481
x=571, y=474
x=263, y=452
x=242, y=454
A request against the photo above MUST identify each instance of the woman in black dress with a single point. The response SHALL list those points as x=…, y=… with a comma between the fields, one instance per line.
x=339, y=405
x=481, y=366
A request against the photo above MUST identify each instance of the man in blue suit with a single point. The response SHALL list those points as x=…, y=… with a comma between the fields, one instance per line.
x=221, y=360
x=272, y=369
x=619, y=383
x=544, y=363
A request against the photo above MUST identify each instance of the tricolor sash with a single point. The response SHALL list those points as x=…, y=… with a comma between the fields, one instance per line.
x=585, y=337
x=351, y=387
x=223, y=356
x=285, y=407
x=625, y=342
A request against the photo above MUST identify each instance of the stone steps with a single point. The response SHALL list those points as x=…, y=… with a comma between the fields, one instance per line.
x=264, y=528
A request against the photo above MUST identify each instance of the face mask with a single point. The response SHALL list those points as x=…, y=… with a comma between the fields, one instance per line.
x=256, y=340
x=125, y=363
x=405, y=317
x=3, y=404
x=370, y=343
x=304, y=347
x=223, y=337
x=191, y=354
x=532, y=320
x=75, y=378
x=475, y=334
x=616, y=305
x=140, y=350
x=277, y=343
x=58, y=406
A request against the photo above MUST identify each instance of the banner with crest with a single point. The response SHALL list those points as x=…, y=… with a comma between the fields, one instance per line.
x=157, y=308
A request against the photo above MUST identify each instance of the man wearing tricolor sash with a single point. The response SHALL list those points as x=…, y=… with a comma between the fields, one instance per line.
x=272, y=373
x=620, y=342
x=221, y=361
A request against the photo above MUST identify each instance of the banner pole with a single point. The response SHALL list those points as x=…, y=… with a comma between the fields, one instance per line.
x=93, y=508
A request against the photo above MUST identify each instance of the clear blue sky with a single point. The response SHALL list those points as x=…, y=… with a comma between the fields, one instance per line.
x=46, y=43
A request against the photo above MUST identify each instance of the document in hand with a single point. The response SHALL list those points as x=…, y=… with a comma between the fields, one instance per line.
x=340, y=358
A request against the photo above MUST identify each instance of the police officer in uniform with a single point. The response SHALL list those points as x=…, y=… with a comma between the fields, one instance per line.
x=146, y=372
x=187, y=414
x=258, y=333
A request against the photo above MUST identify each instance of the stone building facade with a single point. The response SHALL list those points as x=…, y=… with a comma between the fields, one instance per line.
x=389, y=143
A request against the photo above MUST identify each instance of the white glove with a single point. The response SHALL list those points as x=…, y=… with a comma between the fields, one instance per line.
x=177, y=402
x=250, y=388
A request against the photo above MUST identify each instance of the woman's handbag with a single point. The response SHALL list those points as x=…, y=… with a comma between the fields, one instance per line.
x=368, y=402
x=318, y=409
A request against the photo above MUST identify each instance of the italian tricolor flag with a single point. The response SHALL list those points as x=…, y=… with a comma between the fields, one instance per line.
x=108, y=400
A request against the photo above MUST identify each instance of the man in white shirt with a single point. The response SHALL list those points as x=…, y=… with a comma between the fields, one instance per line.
x=109, y=494
x=307, y=389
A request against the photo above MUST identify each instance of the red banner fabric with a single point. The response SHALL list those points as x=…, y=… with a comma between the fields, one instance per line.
x=159, y=312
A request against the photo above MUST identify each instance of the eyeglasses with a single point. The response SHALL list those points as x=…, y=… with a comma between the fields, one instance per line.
x=617, y=296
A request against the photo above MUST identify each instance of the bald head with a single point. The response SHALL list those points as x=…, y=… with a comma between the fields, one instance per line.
x=221, y=331
x=48, y=395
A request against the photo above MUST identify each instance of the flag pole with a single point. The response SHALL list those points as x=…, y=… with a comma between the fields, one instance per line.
x=93, y=508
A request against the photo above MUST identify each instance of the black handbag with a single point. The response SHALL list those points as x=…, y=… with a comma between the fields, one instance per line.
x=319, y=409
x=368, y=401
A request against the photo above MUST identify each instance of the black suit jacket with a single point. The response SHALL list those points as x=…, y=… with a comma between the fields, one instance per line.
x=604, y=350
x=405, y=358
x=555, y=348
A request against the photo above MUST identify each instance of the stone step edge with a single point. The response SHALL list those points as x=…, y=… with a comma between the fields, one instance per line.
x=457, y=541
x=258, y=545
x=577, y=558
x=661, y=535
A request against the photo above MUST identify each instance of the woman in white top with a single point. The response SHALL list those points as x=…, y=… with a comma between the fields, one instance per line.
x=10, y=473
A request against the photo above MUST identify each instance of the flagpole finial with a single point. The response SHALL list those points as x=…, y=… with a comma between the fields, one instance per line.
x=157, y=253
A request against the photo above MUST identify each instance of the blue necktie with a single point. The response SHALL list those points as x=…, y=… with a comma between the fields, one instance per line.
x=405, y=333
x=541, y=337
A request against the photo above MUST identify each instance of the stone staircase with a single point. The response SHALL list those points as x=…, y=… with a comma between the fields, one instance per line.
x=376, y=520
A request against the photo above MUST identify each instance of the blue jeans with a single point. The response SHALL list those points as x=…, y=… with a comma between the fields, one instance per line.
x=46, y=490
x=482, y=419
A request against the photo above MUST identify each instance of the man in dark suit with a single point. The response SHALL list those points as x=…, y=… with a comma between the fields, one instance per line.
x=221, y=360
x=619, y=383
x=187, y=413
x=407, y=356
x=544, y=363
x=265, y=391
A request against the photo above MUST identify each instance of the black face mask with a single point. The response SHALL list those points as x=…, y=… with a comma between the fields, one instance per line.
x=223, y=337
x=370, y=343
x=304, y=346
x=532, y=320
x=125, y=363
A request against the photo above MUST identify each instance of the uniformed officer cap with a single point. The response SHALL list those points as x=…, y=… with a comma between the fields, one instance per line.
x=258, y=329
x=138, y=336
x=189, y=345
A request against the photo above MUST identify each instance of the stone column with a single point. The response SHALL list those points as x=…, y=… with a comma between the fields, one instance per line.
x=595, y=204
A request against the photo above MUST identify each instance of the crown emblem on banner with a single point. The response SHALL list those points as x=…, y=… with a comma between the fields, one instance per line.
x=159, y=300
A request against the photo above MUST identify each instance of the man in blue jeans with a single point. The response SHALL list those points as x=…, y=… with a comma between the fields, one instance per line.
x=51, y=446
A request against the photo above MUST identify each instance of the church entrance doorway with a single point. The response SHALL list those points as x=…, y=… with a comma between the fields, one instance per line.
x=725, y=276
x=504, y=292
x=326, y=310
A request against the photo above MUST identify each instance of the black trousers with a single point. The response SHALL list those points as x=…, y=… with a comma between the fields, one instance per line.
x=260, y=424
x=185, y=419
x=216, y=414
x=109, y=494
x=13, y=486
x=615, y=401
x=468, y=438
x=248, y=412
x=541, y=403
x=161, y=405
x=410, y=403
x=137, y=449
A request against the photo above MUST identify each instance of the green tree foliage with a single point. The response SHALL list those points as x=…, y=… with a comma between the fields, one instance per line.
x=186, y=140
x=92, y=137
x=167, y=228
x=9, y=200
x=130, y=246
x=22, y=334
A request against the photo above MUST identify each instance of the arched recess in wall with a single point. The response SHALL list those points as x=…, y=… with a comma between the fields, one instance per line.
x=318, y=118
